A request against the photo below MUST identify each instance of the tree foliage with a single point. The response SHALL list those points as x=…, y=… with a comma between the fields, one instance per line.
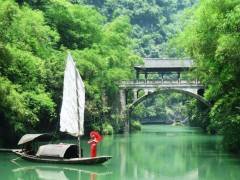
x=154, y=21
x=212, y=38
x=34, y=39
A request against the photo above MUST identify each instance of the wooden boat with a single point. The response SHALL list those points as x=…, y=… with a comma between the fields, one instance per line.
x=71, y=122
x=82, y=160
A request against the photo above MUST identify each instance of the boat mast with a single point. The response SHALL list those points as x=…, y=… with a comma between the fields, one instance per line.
x=78, y=115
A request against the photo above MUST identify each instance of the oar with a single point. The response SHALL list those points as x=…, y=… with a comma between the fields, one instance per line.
x=9, y=150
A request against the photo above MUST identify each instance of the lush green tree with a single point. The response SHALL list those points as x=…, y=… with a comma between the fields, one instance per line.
x=104, y=65
x=79, y=26
x=34, y=39
x=24, y=43
x=212, y=39
x=154, y=21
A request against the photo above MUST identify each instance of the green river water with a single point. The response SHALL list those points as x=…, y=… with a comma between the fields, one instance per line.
x=158, y=152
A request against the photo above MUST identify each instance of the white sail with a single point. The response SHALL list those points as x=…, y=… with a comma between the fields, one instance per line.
x=73, y=104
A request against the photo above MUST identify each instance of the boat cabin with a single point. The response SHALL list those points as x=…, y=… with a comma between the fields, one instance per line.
x=58, y=151
x=29, y=142
x=30, y=146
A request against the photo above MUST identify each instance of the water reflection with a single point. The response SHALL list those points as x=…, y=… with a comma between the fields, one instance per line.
x=172, y=153
x=158, y=152
x=58, y=172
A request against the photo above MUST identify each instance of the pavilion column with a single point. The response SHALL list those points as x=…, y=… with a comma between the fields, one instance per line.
x=146, y=76
x=198, y=82
x=137, y=75
x=162, y=77
x=179, y=78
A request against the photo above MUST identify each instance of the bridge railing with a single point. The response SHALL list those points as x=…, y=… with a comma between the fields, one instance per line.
x=160, y=82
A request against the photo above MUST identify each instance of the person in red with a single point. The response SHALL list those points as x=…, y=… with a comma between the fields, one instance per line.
x=95, y=138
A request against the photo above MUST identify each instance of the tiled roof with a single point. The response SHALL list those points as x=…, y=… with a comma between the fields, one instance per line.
x=166, y=63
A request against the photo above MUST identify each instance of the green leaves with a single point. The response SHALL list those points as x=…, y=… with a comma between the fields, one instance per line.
x=13, y=108
x=154, y=22
x=213, y=41
x=25, y=29
x=79, y=27
x=25, y=41
x=34, y=39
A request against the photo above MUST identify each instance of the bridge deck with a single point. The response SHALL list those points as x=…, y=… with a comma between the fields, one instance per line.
x=160, y=83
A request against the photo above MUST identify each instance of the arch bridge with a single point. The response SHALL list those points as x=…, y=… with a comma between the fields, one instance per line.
x=165, y=75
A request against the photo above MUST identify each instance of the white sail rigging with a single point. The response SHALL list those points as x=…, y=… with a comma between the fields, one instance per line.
x=73, y=104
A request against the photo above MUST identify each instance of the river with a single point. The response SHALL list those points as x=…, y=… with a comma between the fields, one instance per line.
x=157, y=152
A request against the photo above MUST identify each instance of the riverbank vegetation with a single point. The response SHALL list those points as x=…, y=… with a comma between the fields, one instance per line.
x=34, y=39
x=212, y=38
x=104, y=38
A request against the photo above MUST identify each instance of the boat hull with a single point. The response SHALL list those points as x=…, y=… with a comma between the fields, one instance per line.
x=84, y=161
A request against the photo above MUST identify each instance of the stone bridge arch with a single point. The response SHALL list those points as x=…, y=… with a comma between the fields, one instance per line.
x=131, y=106
x=194, y=90
x=155, y=76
